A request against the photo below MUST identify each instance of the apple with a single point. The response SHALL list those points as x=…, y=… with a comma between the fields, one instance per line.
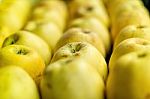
x=92, y=8
x=71, y=78
x=129, y=79
x=47, y=31
x=30, y=40
x=122, y=4
x=96, y=26
x=54, y=11
x=127, y=46
x=133, y=31
x=14, y=14
x=23, y=57
x=15, y=83
x=85, y=51
x=81, y=35
x=129, y=15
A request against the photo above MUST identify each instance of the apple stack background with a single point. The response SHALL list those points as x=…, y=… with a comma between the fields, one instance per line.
x=48, y=20
x=129, y=63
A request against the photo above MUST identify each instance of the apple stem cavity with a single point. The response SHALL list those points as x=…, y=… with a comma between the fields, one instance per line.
x=10, y=40
x=21, y=52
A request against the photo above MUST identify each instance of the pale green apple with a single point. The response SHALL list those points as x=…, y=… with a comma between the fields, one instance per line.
x=81, y=35
x=92, y=8
x=85, y=51
x=24, y=57
x=133, y=31
x=129, y=79
x=30, y=40
x=127, y=46
x=94, y=25
x=15, y=83
x=71, y=78
x=47, y=31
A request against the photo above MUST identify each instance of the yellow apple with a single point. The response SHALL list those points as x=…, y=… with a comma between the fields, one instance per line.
x=24, y=57
x=71, y=79
x=85, y=51
x=129, y=15
x=47, y=31
x=127, y=46
x=15, y=83
x=133, y=31
x=81, y=35
x=30, y=40
x=92, y=8
x=96, y=26
x=54, y=11
x=14, y=13
x=129, y=79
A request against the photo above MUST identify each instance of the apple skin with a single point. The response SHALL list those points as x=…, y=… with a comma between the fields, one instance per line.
x=69, y=79
x=127, y=46
x=94, y=25
x=47, y=31
x=25, y=57
x=15, y=83
x=31, y=40
x=129, y=15
x=92, y=8
x=81, y=35
x=133, y=31
x=83, y=50
x=14, y=14
x=129, y=79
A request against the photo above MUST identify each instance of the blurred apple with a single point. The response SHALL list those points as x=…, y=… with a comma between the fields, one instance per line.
x=133, y=31
x=127, y=46
x=15, y=83
x=47, y=31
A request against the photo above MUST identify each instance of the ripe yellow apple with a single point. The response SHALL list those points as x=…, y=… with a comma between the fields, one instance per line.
x=15, y=83
x=129, y=79
x=85, y=51
x=30, y=40
x=133, y=31
x=81, y=35
x=24, y=57
x=14, y=13
x=129, y=15
x=71, y=79
x=47, y=31
x=54, y=11
x=94, y=25
x=92, y=8
x=127, y=46
x=115, y=5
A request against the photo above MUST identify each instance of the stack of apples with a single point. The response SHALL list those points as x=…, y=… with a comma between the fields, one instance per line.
x=129, y=65
x=78, y=69
x=57, y=49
